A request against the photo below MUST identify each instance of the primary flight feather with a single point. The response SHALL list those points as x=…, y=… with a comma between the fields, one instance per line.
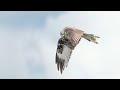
x=70, y=37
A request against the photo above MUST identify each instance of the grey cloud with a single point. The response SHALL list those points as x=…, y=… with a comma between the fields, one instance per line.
x=26, y=18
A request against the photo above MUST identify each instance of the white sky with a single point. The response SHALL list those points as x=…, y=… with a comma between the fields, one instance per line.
x=29, y=52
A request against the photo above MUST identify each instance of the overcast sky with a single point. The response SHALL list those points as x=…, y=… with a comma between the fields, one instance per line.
x=28, y=42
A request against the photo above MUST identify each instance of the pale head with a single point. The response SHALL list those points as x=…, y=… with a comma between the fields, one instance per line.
x=62, y=33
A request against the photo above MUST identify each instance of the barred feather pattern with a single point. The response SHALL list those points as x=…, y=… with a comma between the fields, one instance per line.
x=73, y=34
x=65, y=46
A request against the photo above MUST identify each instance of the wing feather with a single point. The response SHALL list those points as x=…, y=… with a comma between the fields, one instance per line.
x=63, y=59
x=65, y=46
x=74, y=35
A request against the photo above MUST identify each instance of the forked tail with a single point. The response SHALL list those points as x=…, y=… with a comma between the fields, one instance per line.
x=90, y=37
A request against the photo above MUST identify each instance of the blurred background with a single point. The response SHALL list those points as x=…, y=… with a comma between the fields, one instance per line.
x=28, y=42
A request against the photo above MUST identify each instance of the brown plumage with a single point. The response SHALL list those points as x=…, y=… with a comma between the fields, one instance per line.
x=70, y=37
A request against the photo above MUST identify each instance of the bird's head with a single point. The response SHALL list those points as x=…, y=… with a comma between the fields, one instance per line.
x=62, y=33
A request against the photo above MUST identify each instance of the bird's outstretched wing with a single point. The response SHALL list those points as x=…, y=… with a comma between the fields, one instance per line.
x=73, y=34
x=70, y=37
x=63, y=53
x=65, y=46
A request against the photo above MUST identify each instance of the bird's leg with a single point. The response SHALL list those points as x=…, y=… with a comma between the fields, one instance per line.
x=90, y=37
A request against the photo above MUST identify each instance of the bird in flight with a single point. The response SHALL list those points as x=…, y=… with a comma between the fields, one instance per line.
x=70, y=38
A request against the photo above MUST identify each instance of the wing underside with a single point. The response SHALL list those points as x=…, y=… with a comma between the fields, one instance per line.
x=65, y=46
x=62, y=59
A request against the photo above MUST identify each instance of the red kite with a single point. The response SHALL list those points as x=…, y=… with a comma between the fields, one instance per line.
x=70, y=37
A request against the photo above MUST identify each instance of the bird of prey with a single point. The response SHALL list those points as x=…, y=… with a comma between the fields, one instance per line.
x=70, y=37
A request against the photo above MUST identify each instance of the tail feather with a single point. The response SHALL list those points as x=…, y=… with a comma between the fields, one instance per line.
x=90, y=37
x=97, y=37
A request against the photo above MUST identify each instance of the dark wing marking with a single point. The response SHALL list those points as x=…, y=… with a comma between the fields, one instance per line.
x=64, y=51
x=63, y=59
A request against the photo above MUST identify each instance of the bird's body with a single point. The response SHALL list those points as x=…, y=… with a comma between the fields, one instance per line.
x=70, y=37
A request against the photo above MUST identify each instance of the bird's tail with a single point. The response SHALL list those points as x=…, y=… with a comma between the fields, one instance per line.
x=90, y=37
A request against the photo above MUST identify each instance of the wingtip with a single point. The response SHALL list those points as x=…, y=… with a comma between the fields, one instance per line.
x=61, y=72
x=58, y=66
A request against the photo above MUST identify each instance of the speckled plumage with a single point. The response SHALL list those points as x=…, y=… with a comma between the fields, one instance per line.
x=70, y=38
